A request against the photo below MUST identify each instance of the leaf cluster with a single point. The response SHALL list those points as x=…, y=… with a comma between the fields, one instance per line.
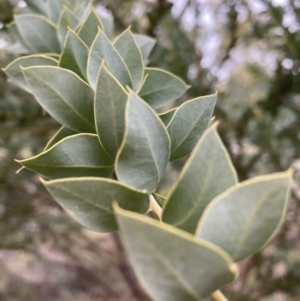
x=107, y=160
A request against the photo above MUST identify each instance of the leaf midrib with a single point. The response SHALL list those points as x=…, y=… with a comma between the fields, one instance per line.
x=65, y=101
x=250, y=222
x=203, y=191
x=191, y=128
x=151, y=151
x=83, y=199
x=171, y=270
x=41, y=38
x=66, y=166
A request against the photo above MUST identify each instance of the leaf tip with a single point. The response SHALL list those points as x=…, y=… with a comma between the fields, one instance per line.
x=18, y=161
x=129, y=90
x=43, y=181
x=20, y=169
x=215, y=124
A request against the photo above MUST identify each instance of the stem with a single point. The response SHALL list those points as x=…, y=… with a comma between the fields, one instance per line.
x=155, y=207
x=218, y=296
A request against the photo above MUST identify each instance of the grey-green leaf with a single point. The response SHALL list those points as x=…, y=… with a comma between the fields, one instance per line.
x=66, y=20
x=15, y=73
x=82, y=9
x=38, y=33
x=126, y=46
x=102, y=49
x=171, y=264
x=66, y=97
x=145, y=44
x=89, y=200
x=188, y=124
x=110, y=104
x=62, y=133
x=144, y=153
x=26, y=10
x=18, y=44
x=161, y=87
x=79, y=155
x=54, y=9
x=75, y=55
x=89, y=30
x=247, y=216
x=108, y=26
x=207, y=173
x=38, y=5
x=167, y=116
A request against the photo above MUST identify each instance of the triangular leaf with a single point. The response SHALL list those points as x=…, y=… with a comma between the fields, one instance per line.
x=131, y=54
x=167, y=116
x=145, y=44
x=89, y=200
x=144, y=153
x=54, y=8
x=189, y=123
x=82, y=9
x=110, y=104
x=79, y=155
x=63, y=95
x=38, y=33
x=161, y=87
x=15, y=73
x=62, y=133
x=171, y=264
x=66, y=20
x=75, y=55
x=196, y=186
x=18, y=44
x=38, y=5
x=102, y=49
x=89, y=30
x=247, y=216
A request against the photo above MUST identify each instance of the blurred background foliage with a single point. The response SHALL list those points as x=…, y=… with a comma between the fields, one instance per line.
x=248, y=50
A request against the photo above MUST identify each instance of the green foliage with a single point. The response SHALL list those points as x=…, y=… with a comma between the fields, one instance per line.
x=156, y=94
x=74, y=156
x=48, y=85
x=261, y=204
x=208, y=164
x=89, y=200
x=102, y=86
x=164, y=260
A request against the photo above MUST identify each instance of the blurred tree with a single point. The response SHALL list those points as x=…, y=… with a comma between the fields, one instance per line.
x=247, y=50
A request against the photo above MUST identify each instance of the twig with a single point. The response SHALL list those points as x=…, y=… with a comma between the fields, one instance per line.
x=218, y=296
